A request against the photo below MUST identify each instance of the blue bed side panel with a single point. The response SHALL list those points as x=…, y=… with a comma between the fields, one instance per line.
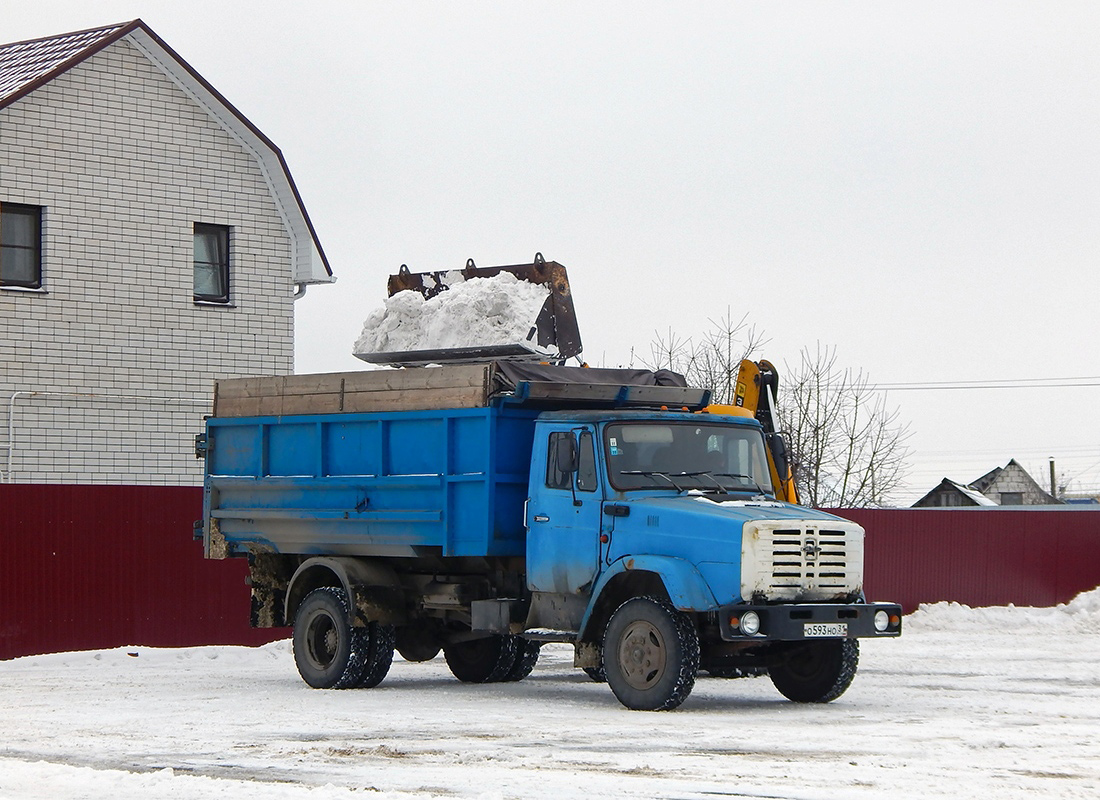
x=367, y=483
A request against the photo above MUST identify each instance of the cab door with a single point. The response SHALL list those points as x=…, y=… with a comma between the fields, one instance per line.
x=564, y=513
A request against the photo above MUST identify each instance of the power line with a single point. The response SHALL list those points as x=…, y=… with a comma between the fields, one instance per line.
x=1000, y=383
x=1054, y=451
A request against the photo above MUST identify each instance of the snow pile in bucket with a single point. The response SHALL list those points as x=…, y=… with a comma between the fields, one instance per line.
x=478, y=312
x=1082, y=613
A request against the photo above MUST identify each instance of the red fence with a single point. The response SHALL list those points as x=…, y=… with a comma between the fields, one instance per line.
x=87, y=567
x=1035, y=556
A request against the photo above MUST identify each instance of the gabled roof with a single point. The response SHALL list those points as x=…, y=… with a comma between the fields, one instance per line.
x=984, y=482
x=948, y=485
x=24, y=66
x=978, y=498
x=29, y=65
x=1014, y=471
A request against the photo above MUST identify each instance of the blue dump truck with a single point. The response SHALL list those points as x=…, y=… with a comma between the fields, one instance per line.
x=484, y=509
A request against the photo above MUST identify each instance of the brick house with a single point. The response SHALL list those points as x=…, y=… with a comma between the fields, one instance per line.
x=1011, y=485
x=151, y=239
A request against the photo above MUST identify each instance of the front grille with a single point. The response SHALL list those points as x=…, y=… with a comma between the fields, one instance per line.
x=801, y=561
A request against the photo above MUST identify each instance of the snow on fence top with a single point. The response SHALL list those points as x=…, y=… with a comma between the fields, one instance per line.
x=478, y=312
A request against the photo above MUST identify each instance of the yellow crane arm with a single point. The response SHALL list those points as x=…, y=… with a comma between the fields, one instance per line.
x=754, y=396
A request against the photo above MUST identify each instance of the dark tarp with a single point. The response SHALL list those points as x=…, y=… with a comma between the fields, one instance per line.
x=511, y=373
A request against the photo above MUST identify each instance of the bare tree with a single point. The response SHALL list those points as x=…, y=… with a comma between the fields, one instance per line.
x=713, y=359
x=847, y=444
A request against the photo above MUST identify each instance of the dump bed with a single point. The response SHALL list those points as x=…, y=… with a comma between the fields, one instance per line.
x=446, y=482
x=392, y=462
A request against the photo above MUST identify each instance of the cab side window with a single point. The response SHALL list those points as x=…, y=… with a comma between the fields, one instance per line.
x=586, y=469
x=559, y=476
x=556, y=476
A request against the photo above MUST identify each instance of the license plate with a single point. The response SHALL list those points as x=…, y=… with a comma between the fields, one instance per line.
x=817, y=630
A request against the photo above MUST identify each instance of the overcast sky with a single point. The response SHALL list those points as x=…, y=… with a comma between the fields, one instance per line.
x=916, y=184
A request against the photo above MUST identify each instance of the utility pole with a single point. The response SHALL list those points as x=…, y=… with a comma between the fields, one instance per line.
x=1053, y=482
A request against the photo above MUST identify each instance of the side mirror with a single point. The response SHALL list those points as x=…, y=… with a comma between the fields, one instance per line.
x=780, y=454
x=565, y=454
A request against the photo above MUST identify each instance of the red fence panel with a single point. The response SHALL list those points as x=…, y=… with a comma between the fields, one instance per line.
x=88, y=567
x=1033, y=556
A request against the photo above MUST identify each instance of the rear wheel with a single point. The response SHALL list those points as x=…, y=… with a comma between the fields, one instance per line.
x=527, y=655
x=651, y=654
x=485, y=660
x=816, y=672
x=329, y=652
x=379, y=655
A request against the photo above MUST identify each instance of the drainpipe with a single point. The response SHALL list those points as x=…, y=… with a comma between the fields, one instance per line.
x=11, y=431
x=301, y=291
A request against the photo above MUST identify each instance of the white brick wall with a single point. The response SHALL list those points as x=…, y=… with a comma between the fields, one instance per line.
x=107, y=374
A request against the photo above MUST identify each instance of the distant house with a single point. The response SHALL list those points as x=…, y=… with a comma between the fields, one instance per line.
x=151, y=239
x=950, y=494
x=1009, y=485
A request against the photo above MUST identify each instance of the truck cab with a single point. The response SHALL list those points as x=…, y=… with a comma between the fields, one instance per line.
x=681, y=507
x=631, y=484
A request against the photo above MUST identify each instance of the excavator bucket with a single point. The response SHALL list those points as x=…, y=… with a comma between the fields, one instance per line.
x=554, y=333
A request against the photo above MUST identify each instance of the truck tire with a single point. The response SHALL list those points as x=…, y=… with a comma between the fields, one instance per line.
x=486, y=660
x=417, y=643
x=379, y=655
x=527, y=655
x=596, y=673
x=329, y=652
x=816, y=672
x=650, y=654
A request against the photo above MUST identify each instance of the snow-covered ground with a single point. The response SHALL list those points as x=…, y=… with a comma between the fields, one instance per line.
x=987, y=703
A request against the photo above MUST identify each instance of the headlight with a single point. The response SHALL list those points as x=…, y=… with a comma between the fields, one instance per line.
x=882, y=621
x=750, y=623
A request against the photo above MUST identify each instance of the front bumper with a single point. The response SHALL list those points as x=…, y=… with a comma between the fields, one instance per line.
x=798, y=622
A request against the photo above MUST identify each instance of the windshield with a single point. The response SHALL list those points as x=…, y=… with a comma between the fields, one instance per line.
x=682, y=456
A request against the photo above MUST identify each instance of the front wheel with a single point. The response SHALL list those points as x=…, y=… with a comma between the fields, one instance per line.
x=816, y=672
x=650, y=654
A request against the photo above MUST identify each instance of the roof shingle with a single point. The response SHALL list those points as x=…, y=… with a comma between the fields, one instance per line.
x=23, y=64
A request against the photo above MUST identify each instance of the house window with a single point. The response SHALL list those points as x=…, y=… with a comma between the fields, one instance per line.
x=20, y=246
x=1012, y=498
x=211, y=263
